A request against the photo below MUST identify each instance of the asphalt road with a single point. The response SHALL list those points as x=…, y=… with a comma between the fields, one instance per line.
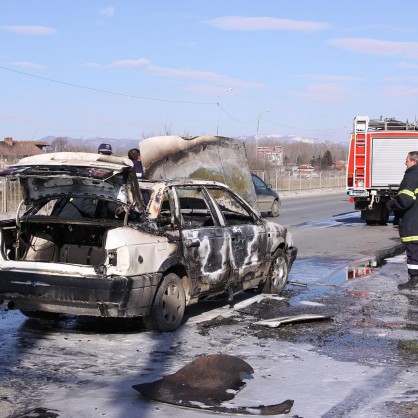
x=363, y=362
x=325, y=225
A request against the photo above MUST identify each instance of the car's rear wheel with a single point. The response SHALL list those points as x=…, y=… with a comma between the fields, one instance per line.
x=275, y=208
x=278, y=275
x=167, y=310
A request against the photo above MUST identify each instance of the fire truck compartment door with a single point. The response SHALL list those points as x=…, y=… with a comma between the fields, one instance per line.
x=388, y=159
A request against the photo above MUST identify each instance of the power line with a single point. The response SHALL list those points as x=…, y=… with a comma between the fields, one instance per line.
x=233, y=117
x=132, y=96
x=278, y=124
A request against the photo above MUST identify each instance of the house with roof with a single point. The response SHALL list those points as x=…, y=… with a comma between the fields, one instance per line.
x=12, y=151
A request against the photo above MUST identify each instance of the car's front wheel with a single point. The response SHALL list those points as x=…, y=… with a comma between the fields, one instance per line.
x=275, y=208
x=167, y=310
x=278, y=275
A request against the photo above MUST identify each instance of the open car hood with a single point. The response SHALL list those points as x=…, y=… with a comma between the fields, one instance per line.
x=49, y=176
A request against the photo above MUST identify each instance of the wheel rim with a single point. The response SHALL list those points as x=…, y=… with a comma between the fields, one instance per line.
x=172, y=304
x=279, y=273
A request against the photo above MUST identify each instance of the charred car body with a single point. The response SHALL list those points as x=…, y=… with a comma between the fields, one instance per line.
x=87, y=244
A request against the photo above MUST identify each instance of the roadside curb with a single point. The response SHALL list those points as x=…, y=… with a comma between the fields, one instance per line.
x=377, y=259
x=309, y=192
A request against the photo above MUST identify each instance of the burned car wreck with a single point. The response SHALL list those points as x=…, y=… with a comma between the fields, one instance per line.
x=88, y=239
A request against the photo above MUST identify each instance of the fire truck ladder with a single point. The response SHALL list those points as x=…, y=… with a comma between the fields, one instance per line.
x=361, y=126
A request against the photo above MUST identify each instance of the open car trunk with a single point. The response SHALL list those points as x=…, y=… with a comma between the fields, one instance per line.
x=55, y=256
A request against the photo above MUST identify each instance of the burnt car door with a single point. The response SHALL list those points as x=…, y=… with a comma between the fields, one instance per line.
x=206, y=246
x=247, y=236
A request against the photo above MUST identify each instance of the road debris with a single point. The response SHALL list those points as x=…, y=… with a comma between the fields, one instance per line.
x=276, y=322
x=205, y=383
x=325, y=284
x=298, y=284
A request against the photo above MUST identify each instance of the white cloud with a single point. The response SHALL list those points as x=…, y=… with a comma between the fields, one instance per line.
x=328, y=77
x=377, y=47
x=413, y=79
x=326, y=93
x=28, y=65
x=265, y=23
x=107, y=12
x=398, y=92
x=146, y=65
x=406, y=64
x=30, y=30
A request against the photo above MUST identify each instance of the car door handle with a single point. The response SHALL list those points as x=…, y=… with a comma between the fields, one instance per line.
x=190, y=244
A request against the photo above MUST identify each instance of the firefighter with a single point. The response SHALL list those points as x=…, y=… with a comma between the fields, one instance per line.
x=406, y=204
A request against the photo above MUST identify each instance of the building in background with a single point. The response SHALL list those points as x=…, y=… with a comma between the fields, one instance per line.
x=272, y=154
x=12, y=151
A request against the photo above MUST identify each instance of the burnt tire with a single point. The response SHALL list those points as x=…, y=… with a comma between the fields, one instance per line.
x=168, y=307
x=278, y=274
x=275, y=209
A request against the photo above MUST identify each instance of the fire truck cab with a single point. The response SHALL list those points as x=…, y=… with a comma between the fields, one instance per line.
x=376, y=164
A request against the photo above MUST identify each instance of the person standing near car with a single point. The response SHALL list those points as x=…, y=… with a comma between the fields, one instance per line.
x=105, y=149
x=135, y=156
x=405, y=204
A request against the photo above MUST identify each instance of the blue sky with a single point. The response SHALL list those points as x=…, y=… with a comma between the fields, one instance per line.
x=134, y=68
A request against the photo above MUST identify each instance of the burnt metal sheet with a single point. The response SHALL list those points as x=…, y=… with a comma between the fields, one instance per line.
x=205, y=383
x=204, y=157
x=276, y=322
x=208, y=379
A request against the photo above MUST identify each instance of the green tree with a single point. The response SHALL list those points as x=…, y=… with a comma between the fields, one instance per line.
x=326, y=161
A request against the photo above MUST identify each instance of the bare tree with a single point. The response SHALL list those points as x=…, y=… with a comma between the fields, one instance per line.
x=60, y=144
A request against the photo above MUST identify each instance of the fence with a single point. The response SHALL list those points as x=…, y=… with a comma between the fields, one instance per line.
x=10, y=195
x=288, y=181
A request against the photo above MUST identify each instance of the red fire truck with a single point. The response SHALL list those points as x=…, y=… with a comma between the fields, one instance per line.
x=376, y=163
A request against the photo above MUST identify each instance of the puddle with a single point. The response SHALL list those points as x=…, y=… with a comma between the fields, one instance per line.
x=366, y=327
x=349, y=219
x=313, y=278
x=358, y=271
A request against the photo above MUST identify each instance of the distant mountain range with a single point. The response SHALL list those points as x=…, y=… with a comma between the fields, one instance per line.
x=125, y=144
x=282, y=138
x=117, y=143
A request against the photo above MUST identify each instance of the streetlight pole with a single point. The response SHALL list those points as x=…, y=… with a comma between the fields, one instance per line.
x=258, y=125
x=259, y=116
x=217, y=109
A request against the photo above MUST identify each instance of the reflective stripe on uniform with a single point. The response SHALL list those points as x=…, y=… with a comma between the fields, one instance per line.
x=412, y=266
x=409, y=239
x=408, y=193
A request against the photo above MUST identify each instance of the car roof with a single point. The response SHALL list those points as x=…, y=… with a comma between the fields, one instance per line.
x=184, y=182
x=78, y=159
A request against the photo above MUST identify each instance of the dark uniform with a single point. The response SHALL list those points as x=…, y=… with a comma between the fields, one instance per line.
x=406, y=205
x=139, y=170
